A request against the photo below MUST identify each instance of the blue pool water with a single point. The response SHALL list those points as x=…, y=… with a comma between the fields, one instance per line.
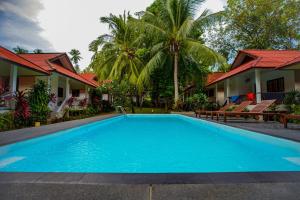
x=151, y=144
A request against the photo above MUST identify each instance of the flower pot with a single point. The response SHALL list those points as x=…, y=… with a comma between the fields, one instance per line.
x=37, y=124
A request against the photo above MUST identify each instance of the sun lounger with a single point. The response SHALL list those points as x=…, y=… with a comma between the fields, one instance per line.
x=239, y=108
x=290, y=116
x=206, y=113
x=258, y=110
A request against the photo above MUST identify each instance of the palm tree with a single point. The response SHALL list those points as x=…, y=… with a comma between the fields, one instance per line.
x=75, y=58
x=175, y=27
x=117, y=58
x=38, y=51
x=20, y=50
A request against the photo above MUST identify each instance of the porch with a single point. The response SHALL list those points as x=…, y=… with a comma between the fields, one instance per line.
x=258, y=84
x=14, y=77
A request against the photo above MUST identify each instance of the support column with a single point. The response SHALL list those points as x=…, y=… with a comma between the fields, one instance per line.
x=67, y=88
x=216, y=92
x=258, y=85
x=86, y=89
x=49, y=84
x=13, y=78
x=227, y=85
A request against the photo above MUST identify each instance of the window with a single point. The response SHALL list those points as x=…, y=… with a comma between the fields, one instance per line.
x=60, y=92
x=75, y=93
x=275, y=85
x=211, y=92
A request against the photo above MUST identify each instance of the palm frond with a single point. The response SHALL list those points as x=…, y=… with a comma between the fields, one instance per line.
x=155, y=62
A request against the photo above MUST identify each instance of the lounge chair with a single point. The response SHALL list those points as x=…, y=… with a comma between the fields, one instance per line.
x=258, y=110
x=290, y=116
x=206, y=113
x=239, y=108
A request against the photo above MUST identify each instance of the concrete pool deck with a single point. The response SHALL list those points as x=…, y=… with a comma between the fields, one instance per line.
x=202, y=186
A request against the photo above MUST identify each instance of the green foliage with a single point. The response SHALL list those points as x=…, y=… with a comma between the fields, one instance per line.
x=292, y=97
x=119, y=56
x=75, y=58
x=6, y=121
x=96, y=100
x=257, y=24
x=176, y=40
x=197, y=101
x=295, y=109
x=39, y=98
x=142, y=49
x=38, y=51
x=20, y=50
x=22, y=111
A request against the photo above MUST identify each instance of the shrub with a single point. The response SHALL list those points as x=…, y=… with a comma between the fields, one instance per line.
x=22, y=112
x=6, y=121
x=197, y=101
x=39, y=99
x=292, y=97
x=83, y=102
x=70, y=101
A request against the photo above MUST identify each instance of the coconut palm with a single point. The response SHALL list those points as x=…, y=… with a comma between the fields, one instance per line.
x=117, y=58
x=20, y=50
x=75, y=58
x=175, y=26
x=38, y=51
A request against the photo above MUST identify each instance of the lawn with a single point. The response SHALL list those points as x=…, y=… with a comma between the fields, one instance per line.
x=139, y=110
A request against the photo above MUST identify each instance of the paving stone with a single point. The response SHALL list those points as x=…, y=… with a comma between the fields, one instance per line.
x=246, y=191
x=73, y=192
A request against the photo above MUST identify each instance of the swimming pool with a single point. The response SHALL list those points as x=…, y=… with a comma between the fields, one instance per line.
x=151, y=144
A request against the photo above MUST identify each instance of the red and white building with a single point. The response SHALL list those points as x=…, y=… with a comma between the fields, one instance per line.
x=268, y=74
x=19, y=72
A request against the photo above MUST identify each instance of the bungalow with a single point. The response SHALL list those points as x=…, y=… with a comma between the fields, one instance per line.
x=261, y=74
x=22, y=71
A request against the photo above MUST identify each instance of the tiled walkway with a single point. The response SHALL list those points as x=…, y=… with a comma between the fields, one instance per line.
x=269, y=128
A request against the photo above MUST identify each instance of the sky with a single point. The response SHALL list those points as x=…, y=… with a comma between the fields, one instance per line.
x=61, y=25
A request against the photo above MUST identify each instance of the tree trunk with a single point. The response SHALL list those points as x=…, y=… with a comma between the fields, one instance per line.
x=176, y=92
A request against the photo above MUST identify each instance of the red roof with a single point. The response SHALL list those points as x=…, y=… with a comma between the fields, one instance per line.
x=213, y=76
x=262, y=59
x=90, y=77
x=46, y=61
x=10, y=56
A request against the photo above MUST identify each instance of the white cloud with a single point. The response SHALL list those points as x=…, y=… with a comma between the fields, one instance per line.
x=19, y=25
x=72, y=24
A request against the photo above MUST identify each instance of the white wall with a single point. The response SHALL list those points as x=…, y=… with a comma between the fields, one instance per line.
x=297, y=79
x=289, y=79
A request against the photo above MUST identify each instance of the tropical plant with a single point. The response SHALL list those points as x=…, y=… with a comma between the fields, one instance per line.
x=83, y=102
x=38, y=51
x=292, y=97
x=257, y=24
x=197, y=101
x=118, y=57
x=96, y=99
x=75, y=58
x=70, y=101
x=39, y=99
x=22, y=111
x=6, y=121
x=20, y=50
x=177, y=39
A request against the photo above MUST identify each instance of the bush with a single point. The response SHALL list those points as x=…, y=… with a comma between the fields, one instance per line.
x=292, y=97
x=197, y=101
x=22, y=112
x=39, y=99
x=6, y=121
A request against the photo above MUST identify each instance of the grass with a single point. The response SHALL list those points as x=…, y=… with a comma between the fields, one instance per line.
x=139, y=110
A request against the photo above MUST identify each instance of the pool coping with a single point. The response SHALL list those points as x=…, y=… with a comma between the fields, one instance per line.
x=140, y=178
x=150, y=178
